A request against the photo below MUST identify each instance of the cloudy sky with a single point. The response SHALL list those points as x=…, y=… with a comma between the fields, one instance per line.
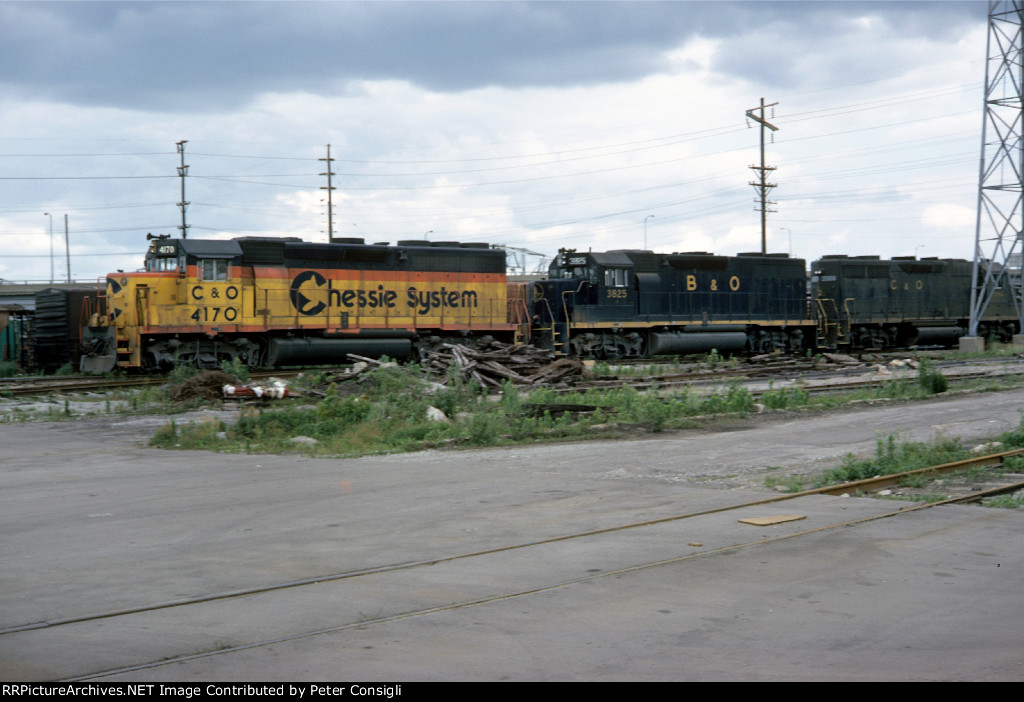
x=537, y=125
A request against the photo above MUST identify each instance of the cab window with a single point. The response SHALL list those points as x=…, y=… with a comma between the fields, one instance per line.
x=213, y=269
x=615, y=277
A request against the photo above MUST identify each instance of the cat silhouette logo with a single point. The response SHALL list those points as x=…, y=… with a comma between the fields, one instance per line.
x=300, y=295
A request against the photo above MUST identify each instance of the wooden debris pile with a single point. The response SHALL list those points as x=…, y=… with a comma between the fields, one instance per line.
x=206, y=385
x=522, y=365
x=347, y=381
x=841, y=359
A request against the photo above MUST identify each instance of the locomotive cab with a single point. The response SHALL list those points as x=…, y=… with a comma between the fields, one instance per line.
x=592, y=291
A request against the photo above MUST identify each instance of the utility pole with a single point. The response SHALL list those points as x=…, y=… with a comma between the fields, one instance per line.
x=762, y=185
x=1000, y=220
x=329, y=189
x=182, y=172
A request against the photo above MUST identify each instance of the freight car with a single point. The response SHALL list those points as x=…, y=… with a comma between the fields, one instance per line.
x=632, y=303
x=283, y=301
x=55, y=329
x=867, y=302
x=15, y=344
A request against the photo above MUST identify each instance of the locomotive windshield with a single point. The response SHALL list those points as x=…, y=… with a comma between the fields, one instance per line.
x=162, y=256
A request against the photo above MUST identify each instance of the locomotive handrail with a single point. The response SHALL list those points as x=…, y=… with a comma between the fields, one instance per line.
x=565, y=294
x=519, y=315
x=849, y=316
x=551, y=316
x=824, y=317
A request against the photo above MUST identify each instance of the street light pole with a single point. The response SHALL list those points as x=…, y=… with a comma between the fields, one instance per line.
x=47, y=214
x=645, y=230
x=790, y=239
x=67, y=246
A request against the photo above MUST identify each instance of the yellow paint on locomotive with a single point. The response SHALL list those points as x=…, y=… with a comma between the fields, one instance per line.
x=267, y=299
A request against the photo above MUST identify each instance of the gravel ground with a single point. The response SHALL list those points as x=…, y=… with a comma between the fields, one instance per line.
x=725, y=453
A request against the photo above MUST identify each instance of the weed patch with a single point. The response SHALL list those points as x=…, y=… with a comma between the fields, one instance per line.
x=930, y=380
x=892, y=456
x=789, y=483
x=1015, y=501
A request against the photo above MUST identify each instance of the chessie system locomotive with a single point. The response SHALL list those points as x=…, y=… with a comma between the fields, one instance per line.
x=283, y=301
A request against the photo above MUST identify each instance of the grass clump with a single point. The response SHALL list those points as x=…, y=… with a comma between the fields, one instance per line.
x=789, y=483
x=1014, y=501
x=1015, y=437
x=236, y=368
x=9, y=369
x=930, y=379
x=195, y=435
x=892, y=456
x=182, y=372
x=784, y=398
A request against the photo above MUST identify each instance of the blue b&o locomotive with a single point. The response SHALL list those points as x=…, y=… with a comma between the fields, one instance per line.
x=633, y=303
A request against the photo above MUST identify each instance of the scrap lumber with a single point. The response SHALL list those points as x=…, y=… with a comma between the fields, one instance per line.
x=769, y=521
x=523, y=365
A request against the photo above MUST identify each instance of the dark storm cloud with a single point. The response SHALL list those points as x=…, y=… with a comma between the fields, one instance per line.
x=816, y=44
x=215, y=56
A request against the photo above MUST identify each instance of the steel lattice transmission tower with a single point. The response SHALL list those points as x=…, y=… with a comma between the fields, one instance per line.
x=1000, y=221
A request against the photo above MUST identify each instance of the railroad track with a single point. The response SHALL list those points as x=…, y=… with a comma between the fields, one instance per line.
x=45, y=386
x=810, y=379
x=813, y=378
x=52, y=385
x=191, y=613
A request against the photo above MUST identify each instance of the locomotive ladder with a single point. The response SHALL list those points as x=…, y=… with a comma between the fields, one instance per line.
x=123, y=350
x=559, y=332
x=826, y=328
x=559, y=337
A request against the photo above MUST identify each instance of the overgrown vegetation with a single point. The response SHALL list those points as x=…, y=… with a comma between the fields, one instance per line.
x=398, y=409
x=1015, y=501
x=789, y=483
x=236, y=368
x=785, y=397
x=181, y=372
x=1014, y=439
x=895, y=456
x=892, y=456
x=993, y=349
x=931, y=380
